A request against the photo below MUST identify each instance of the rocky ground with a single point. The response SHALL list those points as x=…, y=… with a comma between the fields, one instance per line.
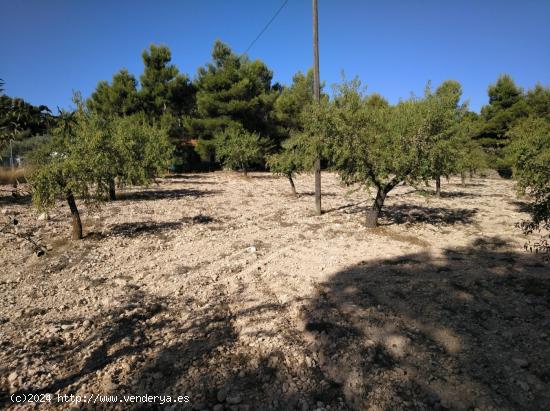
x=229, y=291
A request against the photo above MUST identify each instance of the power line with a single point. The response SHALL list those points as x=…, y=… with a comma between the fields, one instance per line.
x=266, y=26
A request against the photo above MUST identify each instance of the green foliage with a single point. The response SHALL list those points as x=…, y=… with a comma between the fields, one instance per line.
x=20, y=120
x=530, y=155
x=86, y=152
x=232, y=91
x=118, y=99
x=506, y=107
x=140, y=150
x=444, y=114
x=292, y=101
x=376, y=144
x=239, y=149
x=293, y=158
x=163, y=89
x=470, y=156
x=67, y=163
x=538, y=101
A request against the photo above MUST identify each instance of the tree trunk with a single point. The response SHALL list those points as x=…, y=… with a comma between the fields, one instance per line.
x=112, y=190
x=245, y=172
x=438, y=186
x=374, y=212
x=76, y=223
x=292, y=186
x=471, y=173
x=462, y=179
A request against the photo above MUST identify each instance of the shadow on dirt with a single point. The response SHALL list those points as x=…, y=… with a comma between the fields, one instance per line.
x=414, y=214
x=522, y=206
x=152, y=194
x=12, y=196
x=137, y=228
x=458, y=194
x=416, y=332
x=460, y=330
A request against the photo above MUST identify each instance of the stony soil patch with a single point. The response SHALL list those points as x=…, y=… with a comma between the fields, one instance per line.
x=230, y=291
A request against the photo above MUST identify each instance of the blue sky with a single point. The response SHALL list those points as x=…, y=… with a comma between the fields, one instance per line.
x=51, y=47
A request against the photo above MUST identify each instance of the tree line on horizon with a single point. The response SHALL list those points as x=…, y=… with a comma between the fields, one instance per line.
x=232, y=114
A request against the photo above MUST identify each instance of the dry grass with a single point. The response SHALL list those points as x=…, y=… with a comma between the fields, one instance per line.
x=7, y=176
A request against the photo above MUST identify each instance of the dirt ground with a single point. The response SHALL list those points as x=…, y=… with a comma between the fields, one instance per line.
x=229, y=291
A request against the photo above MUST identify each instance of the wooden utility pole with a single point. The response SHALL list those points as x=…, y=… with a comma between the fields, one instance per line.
x=317, y=98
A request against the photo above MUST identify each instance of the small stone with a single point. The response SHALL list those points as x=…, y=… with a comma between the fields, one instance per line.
x=520, y=362
x=524, y=386
x=251, y=249
x=86, y=323
x=221, y=395
x=218, y=407
x=233, y=399
x=43, y=217
x=121, y=282
x=108, y=384
x=13, y=377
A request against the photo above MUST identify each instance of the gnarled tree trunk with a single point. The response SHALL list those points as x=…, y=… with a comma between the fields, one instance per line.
x=374, y=212
x=292, y=186
x=382, y=191
x=438, y=186
x=112, y=189
x=76, y=223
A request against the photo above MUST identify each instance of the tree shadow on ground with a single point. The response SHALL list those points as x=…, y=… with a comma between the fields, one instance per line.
x=464, y=329
x=522, y=206
x=346, y=206
x=185, y=176
x=193, y=182
x=458, y=194
x=152, y=194
x=460, y=331
x=312, y=193
x=136, y=228
x=11, y=197
x=414, y=214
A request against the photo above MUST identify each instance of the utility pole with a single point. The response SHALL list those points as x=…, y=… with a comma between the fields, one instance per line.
x=317, y=98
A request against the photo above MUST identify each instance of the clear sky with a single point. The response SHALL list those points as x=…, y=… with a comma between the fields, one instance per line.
x=50, y=47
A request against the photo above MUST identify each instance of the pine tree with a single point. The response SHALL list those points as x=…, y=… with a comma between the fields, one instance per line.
x=232, y=91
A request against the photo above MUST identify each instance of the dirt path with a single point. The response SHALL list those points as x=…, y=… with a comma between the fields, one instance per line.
x=233, y=293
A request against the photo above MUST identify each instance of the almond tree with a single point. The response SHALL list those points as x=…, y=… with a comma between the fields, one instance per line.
x=529, y=153
x=239, y=149
x=86, y=152
x=376, y=145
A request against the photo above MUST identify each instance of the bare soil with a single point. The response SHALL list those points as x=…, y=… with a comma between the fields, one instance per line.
x=232, y=292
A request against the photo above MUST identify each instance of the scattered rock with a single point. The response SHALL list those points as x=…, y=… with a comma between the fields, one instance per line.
x=221, y=395
x=524, y=386
x=520, y=362
x=251, y=249
x=233, y=399
x=13, y=377
x=43, y=217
